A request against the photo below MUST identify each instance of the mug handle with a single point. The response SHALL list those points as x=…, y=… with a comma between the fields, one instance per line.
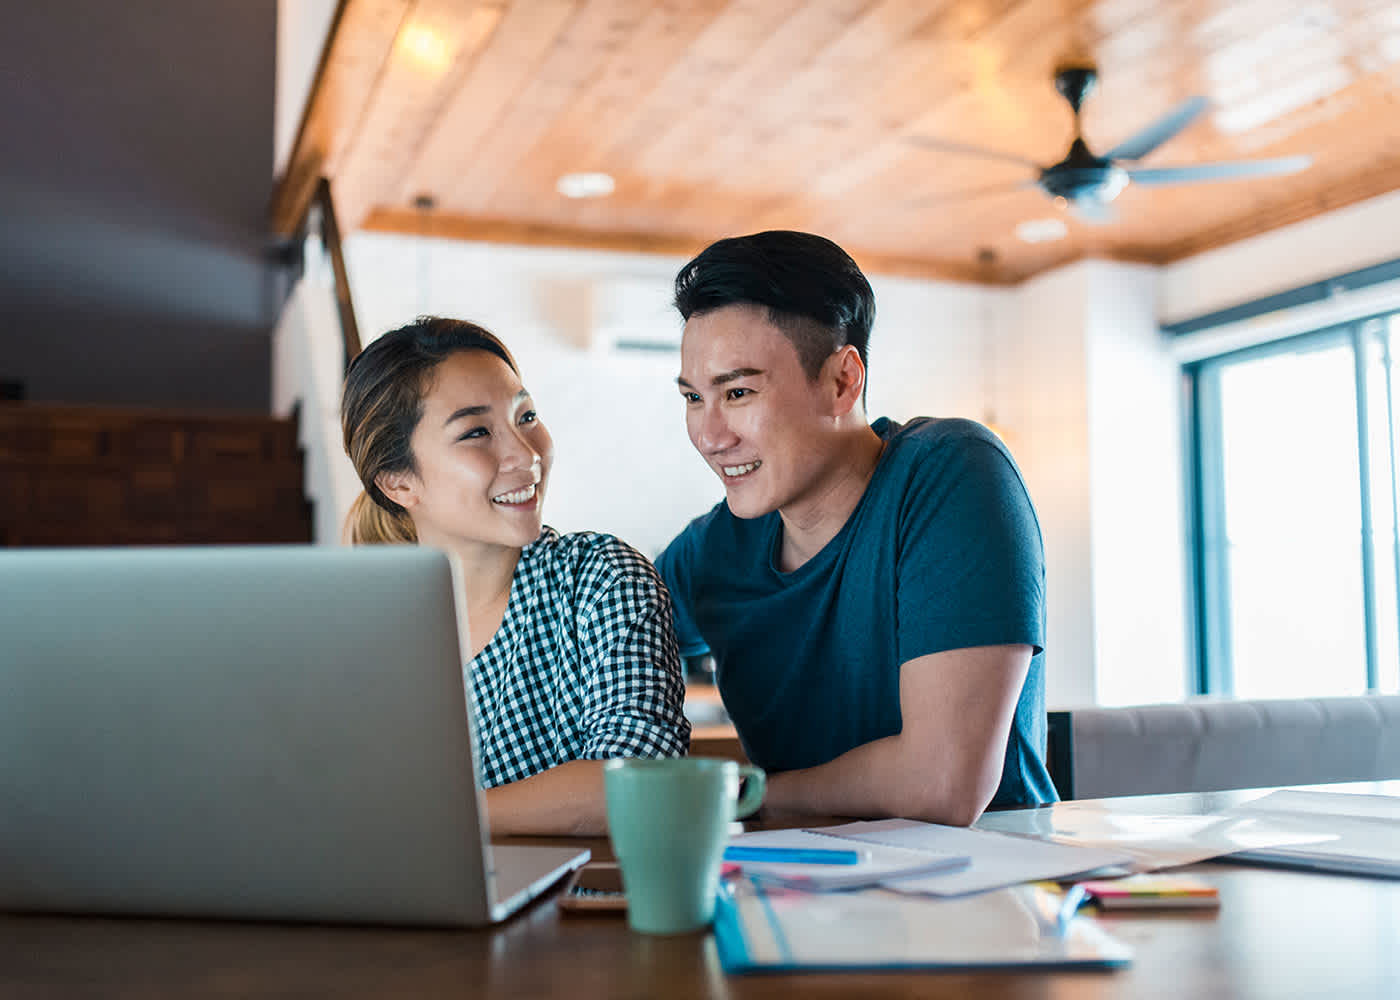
x=753, y=791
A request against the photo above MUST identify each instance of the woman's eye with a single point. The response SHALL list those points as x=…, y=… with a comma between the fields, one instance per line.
x=529, y=417
x=475, y=432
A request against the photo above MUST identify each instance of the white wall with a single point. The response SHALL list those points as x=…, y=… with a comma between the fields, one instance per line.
x=1137, y=527
x=1091, y=412
x=1045, y=416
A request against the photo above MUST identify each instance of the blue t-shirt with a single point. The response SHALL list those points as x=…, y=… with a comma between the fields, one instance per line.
x=942, y=552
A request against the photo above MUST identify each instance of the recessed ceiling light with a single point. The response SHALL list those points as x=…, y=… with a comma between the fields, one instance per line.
x=427, y=48
x=1041, y=230
x=585, y=185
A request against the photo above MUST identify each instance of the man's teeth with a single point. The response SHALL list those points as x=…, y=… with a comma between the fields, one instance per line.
x=519, y=496
x=739, y=470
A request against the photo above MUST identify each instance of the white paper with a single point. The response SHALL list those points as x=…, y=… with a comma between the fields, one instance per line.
x=1155, y=841
x=1362, y=831
x=995, y=859
x=877, y=862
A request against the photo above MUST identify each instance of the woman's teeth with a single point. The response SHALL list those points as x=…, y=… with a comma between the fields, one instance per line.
x=519, y=496
x=739, y=470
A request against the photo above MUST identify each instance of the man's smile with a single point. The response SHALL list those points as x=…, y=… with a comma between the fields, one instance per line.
x=736, y=471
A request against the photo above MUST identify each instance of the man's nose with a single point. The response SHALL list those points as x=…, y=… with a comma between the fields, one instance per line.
x=714, y=433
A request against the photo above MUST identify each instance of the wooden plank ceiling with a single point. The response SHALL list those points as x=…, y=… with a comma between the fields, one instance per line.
x=719, y=117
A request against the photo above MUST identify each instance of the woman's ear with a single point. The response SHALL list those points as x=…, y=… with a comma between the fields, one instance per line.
x=400, y=487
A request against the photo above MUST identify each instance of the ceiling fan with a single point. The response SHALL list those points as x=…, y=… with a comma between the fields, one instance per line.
x=1087, y=183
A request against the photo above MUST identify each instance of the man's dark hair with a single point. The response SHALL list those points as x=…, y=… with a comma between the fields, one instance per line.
x=812, y=289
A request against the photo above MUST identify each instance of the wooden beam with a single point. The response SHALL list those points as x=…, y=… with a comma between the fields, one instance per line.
x=479, y=230
x=528, y=234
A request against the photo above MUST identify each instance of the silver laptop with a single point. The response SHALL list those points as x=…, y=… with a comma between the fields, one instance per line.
x=254, y=733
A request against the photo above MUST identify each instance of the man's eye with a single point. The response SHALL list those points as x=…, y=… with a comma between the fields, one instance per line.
x=529, y=417
x=738, y=393
x=691, y=397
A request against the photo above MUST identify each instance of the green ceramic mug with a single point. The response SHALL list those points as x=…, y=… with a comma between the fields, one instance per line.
x=669, y=821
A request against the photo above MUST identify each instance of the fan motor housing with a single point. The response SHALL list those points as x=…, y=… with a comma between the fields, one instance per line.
x=1082, y=175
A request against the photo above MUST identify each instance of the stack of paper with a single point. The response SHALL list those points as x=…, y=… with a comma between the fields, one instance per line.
x=1354, y=834
x=916, y=857
x=1158, y=841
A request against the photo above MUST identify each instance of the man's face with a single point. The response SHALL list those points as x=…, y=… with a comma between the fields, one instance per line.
x=751, y=411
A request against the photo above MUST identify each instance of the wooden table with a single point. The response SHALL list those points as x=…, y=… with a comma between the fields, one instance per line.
x=1277, y=934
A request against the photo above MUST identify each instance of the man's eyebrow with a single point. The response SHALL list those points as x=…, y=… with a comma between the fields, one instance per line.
x=724, y=377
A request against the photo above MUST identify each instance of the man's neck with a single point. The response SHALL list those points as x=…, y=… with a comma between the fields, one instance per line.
x=814, y=521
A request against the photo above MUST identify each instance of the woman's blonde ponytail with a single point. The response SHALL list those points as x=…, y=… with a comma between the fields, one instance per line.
x=369, y=524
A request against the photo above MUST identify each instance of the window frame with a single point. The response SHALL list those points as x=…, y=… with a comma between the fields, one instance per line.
x=1208, y=569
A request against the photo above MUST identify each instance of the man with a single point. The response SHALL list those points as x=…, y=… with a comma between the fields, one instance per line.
x=873, y=594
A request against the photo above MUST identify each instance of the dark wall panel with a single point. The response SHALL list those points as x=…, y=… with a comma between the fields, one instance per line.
x=133, y=187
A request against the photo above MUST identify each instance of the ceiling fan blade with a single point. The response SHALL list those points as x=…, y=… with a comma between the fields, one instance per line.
x=944, y=146
x=1092, y=211
x=1159, y=131
x=985, y=192
x=1237, y=170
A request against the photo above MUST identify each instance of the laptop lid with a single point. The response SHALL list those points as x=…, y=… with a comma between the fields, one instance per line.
x=266, y=732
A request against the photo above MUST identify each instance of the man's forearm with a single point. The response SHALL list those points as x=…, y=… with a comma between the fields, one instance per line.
x=887, y=777
x=566, y=800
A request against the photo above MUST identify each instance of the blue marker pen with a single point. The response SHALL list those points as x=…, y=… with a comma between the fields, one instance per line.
x=791, y=855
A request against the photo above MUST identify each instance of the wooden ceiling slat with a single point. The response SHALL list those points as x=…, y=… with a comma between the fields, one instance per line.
x=667, y=113
x=463, y=130
x=733, y=40
x=805, y=121
x=733, y=101
x=814, y=127
x=578, y=57
x=608, y=108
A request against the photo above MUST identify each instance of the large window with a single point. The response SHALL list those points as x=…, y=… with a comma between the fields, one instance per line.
x=1297, y=558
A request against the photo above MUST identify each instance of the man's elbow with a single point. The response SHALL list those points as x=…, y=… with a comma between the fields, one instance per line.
x=956, y=802
x=953, y=810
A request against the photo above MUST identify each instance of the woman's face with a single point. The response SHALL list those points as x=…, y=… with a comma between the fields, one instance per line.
x=482, y=458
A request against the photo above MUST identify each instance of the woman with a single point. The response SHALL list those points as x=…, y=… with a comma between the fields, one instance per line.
x=573, y=655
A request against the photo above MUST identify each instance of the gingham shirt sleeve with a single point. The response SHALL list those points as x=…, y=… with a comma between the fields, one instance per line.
x=634, y=691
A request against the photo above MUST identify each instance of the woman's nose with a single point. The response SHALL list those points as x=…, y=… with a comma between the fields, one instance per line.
x=519, y=453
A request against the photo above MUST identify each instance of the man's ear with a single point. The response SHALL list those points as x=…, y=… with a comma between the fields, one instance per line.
x=848, y=374
x=400, y=487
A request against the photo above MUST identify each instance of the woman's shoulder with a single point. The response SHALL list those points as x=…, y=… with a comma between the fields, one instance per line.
x=592, y=557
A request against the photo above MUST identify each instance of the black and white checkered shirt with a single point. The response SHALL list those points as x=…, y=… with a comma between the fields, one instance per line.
x=584, y=665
